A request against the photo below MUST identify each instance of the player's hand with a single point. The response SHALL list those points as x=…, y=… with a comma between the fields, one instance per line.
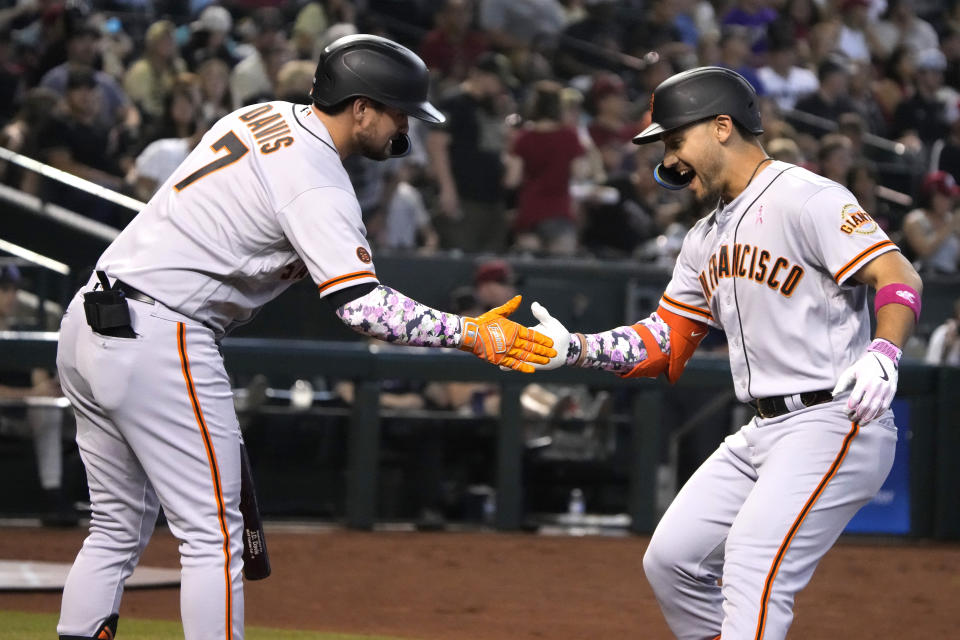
x=553, y=329
x=874, y=381
x=498, y=340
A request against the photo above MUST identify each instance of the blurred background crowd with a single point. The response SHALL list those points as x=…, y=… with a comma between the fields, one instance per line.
x=542, y=97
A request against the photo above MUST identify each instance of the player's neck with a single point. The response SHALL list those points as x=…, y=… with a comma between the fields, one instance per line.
x=744, y=170
x=339, y=129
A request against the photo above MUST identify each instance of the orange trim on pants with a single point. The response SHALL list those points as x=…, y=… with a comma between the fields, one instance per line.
x=832, y=471
x=214, y=472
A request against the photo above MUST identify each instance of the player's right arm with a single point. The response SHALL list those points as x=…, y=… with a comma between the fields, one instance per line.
x=331, y=241
x=662, y=343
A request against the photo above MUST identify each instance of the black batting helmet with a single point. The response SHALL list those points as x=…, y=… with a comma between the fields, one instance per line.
x=694, y=95
x=379, y=69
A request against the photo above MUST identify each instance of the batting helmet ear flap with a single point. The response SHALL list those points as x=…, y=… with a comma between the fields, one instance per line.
x=670, y=178
x=400, y=146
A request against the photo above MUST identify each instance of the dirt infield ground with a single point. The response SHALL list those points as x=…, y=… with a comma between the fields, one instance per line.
x=452, y=586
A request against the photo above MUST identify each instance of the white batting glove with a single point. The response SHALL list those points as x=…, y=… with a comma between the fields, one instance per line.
x=550, y=326
x=874, y=380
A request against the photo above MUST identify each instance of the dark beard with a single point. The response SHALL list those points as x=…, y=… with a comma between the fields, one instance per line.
x=711, y=195
x=369, y=150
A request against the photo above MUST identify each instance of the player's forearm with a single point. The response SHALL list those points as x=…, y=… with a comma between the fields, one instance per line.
x=389, y=315
x=618, y=350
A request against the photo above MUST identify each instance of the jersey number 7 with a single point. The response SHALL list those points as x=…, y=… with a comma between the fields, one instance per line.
x=235, y=150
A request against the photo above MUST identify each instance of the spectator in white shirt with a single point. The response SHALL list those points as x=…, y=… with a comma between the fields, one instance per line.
x=783, y=81
x=902, y=26
x=944, y=345
x=856, y=39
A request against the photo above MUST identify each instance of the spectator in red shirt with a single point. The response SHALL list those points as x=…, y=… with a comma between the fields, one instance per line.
x=607, y=101
x=540, y=163
x=452, y=46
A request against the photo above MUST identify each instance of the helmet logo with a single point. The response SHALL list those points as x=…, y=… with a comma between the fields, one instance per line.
x=652, y=96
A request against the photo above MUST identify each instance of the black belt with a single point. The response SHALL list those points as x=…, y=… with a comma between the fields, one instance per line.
x=133, y=293
x=777, y=406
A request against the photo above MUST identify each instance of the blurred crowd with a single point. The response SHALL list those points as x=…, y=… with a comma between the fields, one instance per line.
x=542, y=98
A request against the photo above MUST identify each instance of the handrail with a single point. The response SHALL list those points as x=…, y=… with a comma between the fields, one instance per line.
x=884, y=144
x=34, y=257
x=59, y=214
x=71, y=180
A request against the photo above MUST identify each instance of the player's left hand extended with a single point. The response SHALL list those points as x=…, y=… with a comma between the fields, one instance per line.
x=874, y=380
x=498, y=340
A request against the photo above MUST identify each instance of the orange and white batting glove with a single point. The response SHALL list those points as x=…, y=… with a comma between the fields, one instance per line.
x=498, y=340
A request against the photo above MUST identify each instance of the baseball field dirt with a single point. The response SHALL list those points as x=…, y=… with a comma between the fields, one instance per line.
x=487, y=586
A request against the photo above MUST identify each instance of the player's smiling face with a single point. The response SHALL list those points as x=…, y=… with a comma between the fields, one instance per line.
x=378, y=128
x=694, y=150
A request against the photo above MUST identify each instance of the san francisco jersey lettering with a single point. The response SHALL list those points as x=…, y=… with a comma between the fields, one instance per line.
x=223, y=240
x=781, y=257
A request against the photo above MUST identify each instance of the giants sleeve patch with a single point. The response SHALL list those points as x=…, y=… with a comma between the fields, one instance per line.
x=855, y=220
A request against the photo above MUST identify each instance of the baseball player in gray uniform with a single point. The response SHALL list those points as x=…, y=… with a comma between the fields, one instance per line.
x=782, y=265
x=263, y=201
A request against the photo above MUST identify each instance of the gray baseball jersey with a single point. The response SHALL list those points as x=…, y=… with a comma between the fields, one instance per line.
x=261, y=201
x=770, y=269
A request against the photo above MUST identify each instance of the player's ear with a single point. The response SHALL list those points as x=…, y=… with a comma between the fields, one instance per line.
x=360, y=106
x=722, y=127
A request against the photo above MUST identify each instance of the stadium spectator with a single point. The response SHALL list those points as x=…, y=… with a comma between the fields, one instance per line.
x=798, y=18
x=857, y=40
x=640, y=212
x=294, y=81
x=541, y=161
x=607, y=103
x=755, y=16
x=944, y=346
x=453, y=45
x=252, y=79
x=43, y=424
x=784, y=81
x=924, y=114
x=901, y=26
x=895, y=83
x=592, y=43
x=148, y=80
x=658, y=31
x=74, y=141
x=945, y=153
x=735, y=54
x=22, y=134
x=214, y=75
x=862, y=180
x=209, y=38
x=831, y=99
x=932, y=231
x=115, y=107
x=179, y=132
x=465, y=158
x=407, y=224
x=835, y=157
x=785, y=150
x=11, y=77
x=513, y=24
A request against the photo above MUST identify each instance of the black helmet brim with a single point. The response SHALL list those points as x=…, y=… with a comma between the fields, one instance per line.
x=422, y=111
x=651, y=134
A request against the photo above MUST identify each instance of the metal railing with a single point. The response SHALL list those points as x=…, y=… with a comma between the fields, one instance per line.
x=935, y=405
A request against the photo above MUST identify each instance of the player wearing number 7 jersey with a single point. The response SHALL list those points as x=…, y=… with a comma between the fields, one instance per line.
x=262, y=201
x=782, y=265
